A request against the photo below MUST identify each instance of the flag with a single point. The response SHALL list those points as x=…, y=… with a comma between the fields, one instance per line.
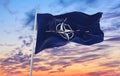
x=58, y=30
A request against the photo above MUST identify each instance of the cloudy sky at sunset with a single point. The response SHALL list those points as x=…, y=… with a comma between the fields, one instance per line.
x=16, y=40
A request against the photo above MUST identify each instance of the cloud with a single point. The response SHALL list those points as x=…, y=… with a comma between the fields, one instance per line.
x=38, y=59
x=111, y=64
x=87, y=58
x=15, y=72
x=22, y=61
x=15, y=59
x=70, y=49
x=59, y=7
x=71, y=54
x=59, y=62
x=18, y=60
x=42, y=68
x=111, y=15
x=27, y=40
x=113, y=39
x=116, y=7
x=102, y=46
x=66, y=59
x=104, y=73
x=6, y=44
x=57, y=70
x=29, y=20
x=6, y=4
x=67, y=55
x=111, y=24
x=67, y=3
x=91, y=2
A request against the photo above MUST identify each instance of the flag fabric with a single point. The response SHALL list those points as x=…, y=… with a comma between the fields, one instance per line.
x=58, y=30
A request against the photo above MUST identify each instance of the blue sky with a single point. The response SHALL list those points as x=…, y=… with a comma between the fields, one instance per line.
x=13, y=12
x=16, y=36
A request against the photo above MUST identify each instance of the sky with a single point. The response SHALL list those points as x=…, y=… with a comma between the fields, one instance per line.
x=16, y=40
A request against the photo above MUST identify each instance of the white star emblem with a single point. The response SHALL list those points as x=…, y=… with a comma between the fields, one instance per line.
x=65, y=30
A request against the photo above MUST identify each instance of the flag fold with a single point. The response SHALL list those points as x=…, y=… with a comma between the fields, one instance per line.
x=58, y=30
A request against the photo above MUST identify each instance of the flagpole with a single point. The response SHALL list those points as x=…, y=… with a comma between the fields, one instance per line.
x=33, y=52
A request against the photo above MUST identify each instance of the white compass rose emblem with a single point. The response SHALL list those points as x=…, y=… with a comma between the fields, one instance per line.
x=64, y=30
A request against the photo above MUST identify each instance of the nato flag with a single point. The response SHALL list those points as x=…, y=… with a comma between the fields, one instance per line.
x=58, y=30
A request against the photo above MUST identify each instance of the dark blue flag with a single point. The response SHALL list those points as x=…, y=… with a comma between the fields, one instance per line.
x=58, y=30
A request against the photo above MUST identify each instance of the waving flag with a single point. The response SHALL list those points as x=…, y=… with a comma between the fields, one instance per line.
x=58, y=30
